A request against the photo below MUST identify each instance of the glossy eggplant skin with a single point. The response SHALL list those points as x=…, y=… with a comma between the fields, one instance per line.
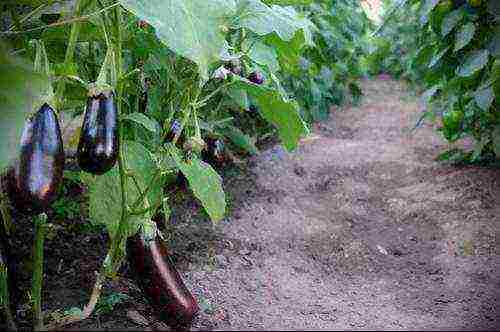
x=39, y=172
x=160, y=282
x=98, y=146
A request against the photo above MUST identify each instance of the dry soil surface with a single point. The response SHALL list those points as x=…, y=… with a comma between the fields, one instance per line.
x=358, y=229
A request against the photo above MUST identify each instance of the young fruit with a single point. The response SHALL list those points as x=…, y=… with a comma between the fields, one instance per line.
x=160, y=282
x=39, y=172
x=98, y=146
x=214, y=152
x=256, y=77
x=234, y=66
x=175, y=129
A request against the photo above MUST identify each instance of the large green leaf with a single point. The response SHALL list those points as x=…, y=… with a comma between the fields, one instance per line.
x=288, y=52
x=450, y=21
x=496, y=141
x=464, y=36
x=105, y=197
x=263, y=20
x=191, y=28
x=435, y=59
x=139, y=118
x=240, y=139
x=205, y=183
x=284, y=114
x=484, y=98
x=263, y=54
x=425, y=9
x=19, y=88
x=474, y=62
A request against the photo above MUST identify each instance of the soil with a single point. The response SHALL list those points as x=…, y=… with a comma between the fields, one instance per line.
x=360, y=228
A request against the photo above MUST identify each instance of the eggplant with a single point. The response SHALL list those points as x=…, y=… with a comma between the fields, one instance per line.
x=175, y=129
x=256, y=77
x=214, y=152
x=160, y=281
x=98, y=146
x=234, y=66
x=39, y=171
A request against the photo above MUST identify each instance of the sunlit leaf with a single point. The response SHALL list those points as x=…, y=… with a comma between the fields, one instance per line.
x=20, y=87
x=191, y=28
x=284, y=114
x=474, y=62
x=484, y=98
x=464, y=36
x=450, y=21
x=205, y=183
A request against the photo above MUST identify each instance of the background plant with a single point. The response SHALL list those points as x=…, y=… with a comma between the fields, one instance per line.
x=454, y=55
x=187, y=65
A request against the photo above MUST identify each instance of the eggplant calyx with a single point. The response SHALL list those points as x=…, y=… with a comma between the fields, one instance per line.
x=97, y=89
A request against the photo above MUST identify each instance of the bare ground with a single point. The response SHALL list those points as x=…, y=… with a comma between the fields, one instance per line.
x=358, y=229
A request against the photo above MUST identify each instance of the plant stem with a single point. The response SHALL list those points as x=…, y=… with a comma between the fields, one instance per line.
x=70, y=50
x=36, y=285
x=4, y=210
x=4, y=293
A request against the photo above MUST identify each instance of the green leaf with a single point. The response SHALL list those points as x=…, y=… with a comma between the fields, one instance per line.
x=484, y=98
x=263, y=54
x=496, y=141
x=450, y=21
x=464, y=36
x=205, y=183
x=288, y=2
x=473, y=63
x=284, y=114
x=263, y=19
x=20, y=87
x=143, y=120
x=288, y=52
x=191, y=28
x=435, y=59
x=240, y=97
x=240, y=139
x=425, y=9
x=429, y=93
x=105, y=198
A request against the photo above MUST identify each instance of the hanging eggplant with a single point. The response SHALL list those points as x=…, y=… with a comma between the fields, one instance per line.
x=160, y=282
x=98, y=146
x=39, y=172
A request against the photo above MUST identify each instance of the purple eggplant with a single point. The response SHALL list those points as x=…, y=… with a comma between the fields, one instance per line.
x=39, y=172
x=160, y=282
x=98, y=146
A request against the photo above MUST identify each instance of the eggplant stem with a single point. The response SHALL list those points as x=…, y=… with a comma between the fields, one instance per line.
x=88, y=308
x=37, y=281
x=4, y=294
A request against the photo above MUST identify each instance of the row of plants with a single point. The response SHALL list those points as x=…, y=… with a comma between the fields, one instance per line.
x=165, y=90
x=452, y=50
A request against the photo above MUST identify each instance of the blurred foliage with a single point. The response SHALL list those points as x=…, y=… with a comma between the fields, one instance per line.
x=452, y=50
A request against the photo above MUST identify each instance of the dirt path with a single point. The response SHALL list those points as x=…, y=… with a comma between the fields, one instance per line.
x=359, y=229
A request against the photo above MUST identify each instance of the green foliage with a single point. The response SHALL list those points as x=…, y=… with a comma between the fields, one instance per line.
x=108, y=303
x=451, y=49
x=328, y=68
